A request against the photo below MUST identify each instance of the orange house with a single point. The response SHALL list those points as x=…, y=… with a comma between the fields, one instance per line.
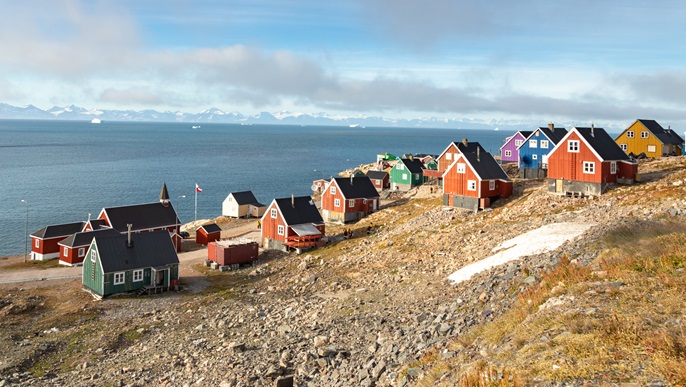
x=292, y=223
x=450, y=154
x=650, y=138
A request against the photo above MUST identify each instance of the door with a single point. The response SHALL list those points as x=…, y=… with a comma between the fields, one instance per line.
x=558, y=185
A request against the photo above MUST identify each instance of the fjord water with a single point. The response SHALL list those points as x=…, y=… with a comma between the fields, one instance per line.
x=68, y=169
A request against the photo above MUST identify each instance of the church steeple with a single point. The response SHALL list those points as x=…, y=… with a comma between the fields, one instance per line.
x=164, y=195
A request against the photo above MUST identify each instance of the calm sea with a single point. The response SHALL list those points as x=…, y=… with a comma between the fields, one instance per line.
x=67, y=169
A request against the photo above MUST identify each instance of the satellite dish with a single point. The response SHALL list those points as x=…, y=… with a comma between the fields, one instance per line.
x=314, y=187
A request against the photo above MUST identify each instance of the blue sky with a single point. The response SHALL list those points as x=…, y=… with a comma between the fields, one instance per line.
x=606, y=61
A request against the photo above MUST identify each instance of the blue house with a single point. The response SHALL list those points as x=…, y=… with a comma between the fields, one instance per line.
x=533, y=153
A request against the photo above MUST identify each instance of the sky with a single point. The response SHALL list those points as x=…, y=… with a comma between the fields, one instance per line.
x=609, y=61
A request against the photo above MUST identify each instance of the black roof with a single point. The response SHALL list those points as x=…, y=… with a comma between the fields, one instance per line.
x=149, y=249
x=303, y=212
x=485, y=166
x=96, y=224
x=210, y=228
x=142, y=216
x=413, y=165
x=58, y=230
x=245, y=197
x=666, y=136
x=469, y=147
x=359, y=187
x=84, y=238
x=377, y=175
x=604, y=145
x=554, y=135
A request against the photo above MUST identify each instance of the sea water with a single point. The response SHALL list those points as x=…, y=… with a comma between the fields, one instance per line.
x=66, y=170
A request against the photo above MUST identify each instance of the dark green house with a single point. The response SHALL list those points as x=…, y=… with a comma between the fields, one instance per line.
x=405, y=174
x=145, y=262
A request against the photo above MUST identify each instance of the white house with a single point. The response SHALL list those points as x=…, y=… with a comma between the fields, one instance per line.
x=242, y=204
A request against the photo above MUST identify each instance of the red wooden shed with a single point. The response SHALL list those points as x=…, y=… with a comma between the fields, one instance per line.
x=208, y=233
x=233, y=251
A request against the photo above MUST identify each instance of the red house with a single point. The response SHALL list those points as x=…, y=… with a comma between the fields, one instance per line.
x=44, y=242
x=73, y=249
x=292, y=223
x=349, y=199
x=474, y=180
x=380, y=179
x=208, y=233
x=449, y=155
x=318, y=186
x=587, y=161
x=145, y=217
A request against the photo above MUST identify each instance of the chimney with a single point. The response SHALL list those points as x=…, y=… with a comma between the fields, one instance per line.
x=592, y=129
x=478, y=154
x=351, y=179
x=465, y=142
x=551, y=126
x=89, y=216
x=292, y=200
x=128, y=235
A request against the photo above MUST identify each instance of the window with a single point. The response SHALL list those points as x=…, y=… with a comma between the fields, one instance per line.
x=37, y=244
x=401, y=166
x=533, y=143
x=351, y=203
x=404, y=176
x=66, y=251
x=82, y=251
x=630, y=134
x=119, y=278
x=138, y=275
x=471, y=185
x=624, y=147
x=589, y=167
x=92, y=255
x=644, y=134
x=332, y=190
x=613, y=167
x=280, y=230
x=573, y=146
x=448, y=156
x=651, y=148
x=337, y=202
x=508, y=153
x=416, y=176
x=534, y=157
x=519, y=142
x=273, y=213
x=461, y=167
x=491, y=185
x=544, y=144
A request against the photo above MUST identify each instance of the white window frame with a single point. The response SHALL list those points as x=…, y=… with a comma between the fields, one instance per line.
x=280, y=229
x=508, y=153
x=332, y=190
x=337, y=202
x=491, y=185
x=544, y=144
x=534, y=157
x=624, y=147
x=138, y=275
x=533, y=143
x=644, y=134
x=461, y=168
x=448, y=156
x=82, y=251
x=401, y=166
x=589, y=167
x=404, y=176
x=471, y=185
x=37, y=243
x=653, y=147
x=273, y=213
x=630, y=134
x=573, y=146
x=92, y=255
x=613, y=167
x=351, y=203
x=65, y=252
x=519, y=142
x=119, y=278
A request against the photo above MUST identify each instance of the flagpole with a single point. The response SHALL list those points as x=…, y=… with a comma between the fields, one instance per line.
x=196, y=204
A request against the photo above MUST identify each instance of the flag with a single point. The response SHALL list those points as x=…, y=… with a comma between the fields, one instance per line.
x=197, y=189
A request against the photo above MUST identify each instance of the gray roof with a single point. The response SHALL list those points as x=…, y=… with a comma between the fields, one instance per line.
x=149, y=249
x=96, y=224
x=604, y=145
x=304, y=210
x=554, y=135
x=210, y=228
x=85, y=238
x=360, y=187
x=666, y=136
x=485, y=166
x=58, y=230
x=377, y=175
x=142, y=216
x=414, y=165
x=245, y=197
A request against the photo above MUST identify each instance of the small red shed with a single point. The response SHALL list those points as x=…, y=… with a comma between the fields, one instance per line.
x=208, y=233
x=233, y=252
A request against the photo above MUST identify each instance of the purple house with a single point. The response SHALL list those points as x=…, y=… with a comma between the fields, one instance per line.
x=509, y=152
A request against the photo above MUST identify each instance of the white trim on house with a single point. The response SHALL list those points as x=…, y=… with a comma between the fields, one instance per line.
x=471, y=185
x=589, y=167
x=138, y=275
x=118, y=278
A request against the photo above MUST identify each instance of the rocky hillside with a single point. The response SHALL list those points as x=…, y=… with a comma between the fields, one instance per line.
x=377, y=309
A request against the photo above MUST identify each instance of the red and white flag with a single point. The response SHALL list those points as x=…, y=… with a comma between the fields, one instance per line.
x=197, y=189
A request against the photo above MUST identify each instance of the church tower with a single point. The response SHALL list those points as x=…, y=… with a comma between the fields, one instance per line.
x=164, y=195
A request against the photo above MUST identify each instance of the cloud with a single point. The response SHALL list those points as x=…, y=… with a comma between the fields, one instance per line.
x=131, y=96
x=665, y=87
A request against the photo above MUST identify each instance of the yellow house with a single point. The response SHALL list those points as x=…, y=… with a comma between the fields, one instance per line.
x=647, y=136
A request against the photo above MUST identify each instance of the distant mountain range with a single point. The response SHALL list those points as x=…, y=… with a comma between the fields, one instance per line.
x=215, y=115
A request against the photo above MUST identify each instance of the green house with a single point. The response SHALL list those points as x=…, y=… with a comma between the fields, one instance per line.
x=431, y=165
x=405, y=174
x=144, y=262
